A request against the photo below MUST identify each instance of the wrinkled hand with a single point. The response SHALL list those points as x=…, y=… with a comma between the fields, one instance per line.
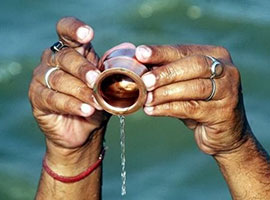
x=67, y=113
x=179, y=84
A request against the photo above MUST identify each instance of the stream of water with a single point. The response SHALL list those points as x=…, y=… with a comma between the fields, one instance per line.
x=123, y=154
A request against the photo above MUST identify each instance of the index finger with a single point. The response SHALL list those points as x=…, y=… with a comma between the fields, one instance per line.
x=74, y=32
x=163, y=54
x=188, y=68
x=72, y=62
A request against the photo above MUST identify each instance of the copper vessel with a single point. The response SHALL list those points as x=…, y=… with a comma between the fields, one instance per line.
x=119, y=89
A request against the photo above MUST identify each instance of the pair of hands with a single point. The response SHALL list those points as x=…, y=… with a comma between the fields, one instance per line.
x=177, y=87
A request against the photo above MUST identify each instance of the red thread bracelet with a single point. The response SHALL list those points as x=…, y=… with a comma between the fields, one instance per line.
x=72, y=179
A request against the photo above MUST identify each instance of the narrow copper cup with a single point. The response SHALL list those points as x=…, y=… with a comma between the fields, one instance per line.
x=119, y=89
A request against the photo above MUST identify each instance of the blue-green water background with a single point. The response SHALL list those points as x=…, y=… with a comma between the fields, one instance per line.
x=163, y=161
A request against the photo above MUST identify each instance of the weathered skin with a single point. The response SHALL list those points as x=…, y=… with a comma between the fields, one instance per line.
x=74, y=124
x=178, y=87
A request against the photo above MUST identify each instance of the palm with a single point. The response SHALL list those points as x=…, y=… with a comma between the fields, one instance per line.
x=209, y=138
x=201, y=134
x=67, y=130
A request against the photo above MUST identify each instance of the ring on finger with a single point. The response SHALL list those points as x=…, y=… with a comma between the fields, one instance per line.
x=57, y=46
x=216, y=67
x=47, y=75
x=214, y=87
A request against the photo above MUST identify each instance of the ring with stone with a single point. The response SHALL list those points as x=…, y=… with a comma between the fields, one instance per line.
x=216, y=67
x=57, y=46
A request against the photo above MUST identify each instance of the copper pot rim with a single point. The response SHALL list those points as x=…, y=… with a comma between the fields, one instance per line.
x=117, y=110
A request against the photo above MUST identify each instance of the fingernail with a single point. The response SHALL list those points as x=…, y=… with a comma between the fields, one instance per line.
x=149, y=98
x=86, y=109
x=143, y=52
x=149, y=80
x=91, y=77
x=148, y=110
x=84, y=32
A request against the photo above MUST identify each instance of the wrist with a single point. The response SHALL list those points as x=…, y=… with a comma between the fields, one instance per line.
x=236, y=140
x=248, y=152
x=72, y=161
x=246, y=170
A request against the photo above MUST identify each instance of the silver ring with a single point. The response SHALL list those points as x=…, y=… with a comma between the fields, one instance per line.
x=213, y=90
x=47, y=75
x=215, y=64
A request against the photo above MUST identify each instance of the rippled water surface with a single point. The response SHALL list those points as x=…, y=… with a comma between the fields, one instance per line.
x=162, y=159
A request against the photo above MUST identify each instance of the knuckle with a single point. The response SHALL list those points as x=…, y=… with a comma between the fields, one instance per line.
x=55, y=78
x=50, y=100
x=62, y=55
x=202, y=87
x=233, y=80
x=44, y=55
x=30, y=91
x=174, y=106
x=231, y=103
x=60, y=21
x=222, y=51
x=168, y=73
x=182, y=50
x=157, y=50
x=168, y=109
x=69, y=104
x=236, y=75
x=34, y=92
x=171, y=109
x=164, y=93
x=165, y=107
x=63, y=21
x=203, y=61
x=36, y=70
x=191, y=107
x=83, y=92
